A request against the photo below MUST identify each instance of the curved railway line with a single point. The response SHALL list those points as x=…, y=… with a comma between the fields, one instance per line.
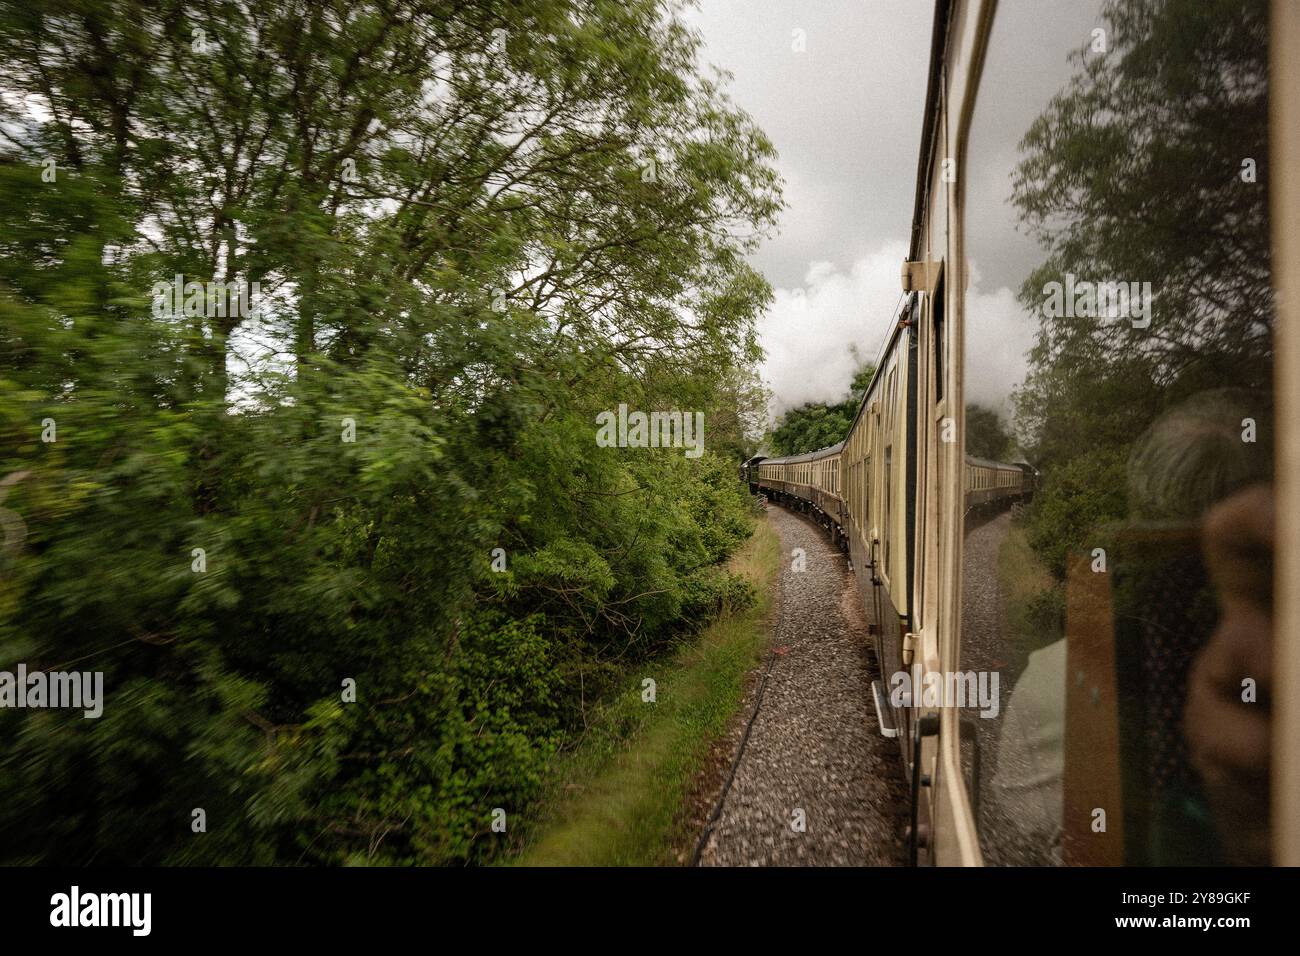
x=1099, y=753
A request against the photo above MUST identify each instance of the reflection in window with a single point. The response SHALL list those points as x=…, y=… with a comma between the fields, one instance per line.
x=1119, y=350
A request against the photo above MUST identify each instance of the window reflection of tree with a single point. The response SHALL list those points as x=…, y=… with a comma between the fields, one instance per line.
x=1137, y=172
x=1133, y=172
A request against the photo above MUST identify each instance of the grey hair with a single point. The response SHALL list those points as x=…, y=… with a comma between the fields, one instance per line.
x=1194, y=454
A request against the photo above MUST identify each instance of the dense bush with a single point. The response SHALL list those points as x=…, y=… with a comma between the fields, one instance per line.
x=239, y=517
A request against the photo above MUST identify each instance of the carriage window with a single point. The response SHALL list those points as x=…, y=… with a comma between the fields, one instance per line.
x=886, y=532
x=866, y=492
x=936, y=308
x=1118, y=329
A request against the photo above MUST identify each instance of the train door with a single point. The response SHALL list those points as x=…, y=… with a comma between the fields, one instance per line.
x=889, y=533
x=935, y=448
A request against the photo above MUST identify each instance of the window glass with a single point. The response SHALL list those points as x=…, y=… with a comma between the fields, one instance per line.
x=936, y=307
x=886, y=531
x=1118, y=330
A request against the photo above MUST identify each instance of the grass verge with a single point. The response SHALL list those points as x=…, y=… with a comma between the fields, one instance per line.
x=617, y=794
x=1025, y=582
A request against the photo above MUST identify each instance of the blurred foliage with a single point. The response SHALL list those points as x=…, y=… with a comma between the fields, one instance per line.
x=461, y=248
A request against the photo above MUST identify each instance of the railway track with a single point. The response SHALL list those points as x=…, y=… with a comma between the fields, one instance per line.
x=812, y=781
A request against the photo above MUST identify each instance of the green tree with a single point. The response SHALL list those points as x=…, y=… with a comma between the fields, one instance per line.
x=1134, y=172
x=473, y=227
x=986, y=434
x=816, y=425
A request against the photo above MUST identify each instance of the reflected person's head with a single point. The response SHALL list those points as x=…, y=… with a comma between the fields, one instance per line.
x=1199, y=452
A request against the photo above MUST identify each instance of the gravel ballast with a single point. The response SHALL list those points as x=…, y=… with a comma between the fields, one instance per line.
x=814, y=754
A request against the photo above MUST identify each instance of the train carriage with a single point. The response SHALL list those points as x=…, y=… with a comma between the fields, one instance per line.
x=991, y=484
x=1026, y=784
x=811, y=482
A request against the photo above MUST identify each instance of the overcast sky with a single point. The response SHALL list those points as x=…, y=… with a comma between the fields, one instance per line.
x=839, y=86
x=845, y=115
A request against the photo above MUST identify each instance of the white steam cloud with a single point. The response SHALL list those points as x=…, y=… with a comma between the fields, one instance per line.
x=809, y=332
